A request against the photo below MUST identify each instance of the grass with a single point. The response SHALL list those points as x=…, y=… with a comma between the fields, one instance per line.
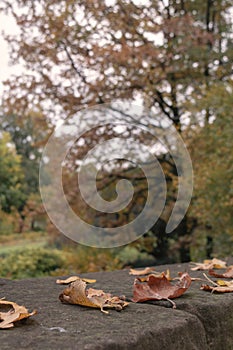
x=14, y=242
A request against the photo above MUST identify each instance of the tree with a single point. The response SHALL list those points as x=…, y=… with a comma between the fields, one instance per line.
x=11, y=175
x=211, y=150
x=29, y=134
x=82, y=53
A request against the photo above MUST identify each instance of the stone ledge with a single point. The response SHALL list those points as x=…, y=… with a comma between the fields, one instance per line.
x=201, y=320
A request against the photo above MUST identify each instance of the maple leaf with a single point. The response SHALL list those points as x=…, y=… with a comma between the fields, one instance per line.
x=159, y=287
x=209, y=264
x=76, y=293
x=227, y=274
x=14, y=314
x=73, y=279
x=156, y=274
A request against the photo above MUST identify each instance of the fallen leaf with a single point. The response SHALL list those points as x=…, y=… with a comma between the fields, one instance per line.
x=73, y=279
x=168, y=275
x=227, y=274
x=209, y=264
x=158, y=274
x=193, y=279
x=145, y=271
x=14, y=314
x=225, y=283
x=218, y=289
x=159, y=287
x=76, y=293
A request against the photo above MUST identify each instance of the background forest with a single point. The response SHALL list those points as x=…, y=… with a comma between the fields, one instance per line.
x=174, y=56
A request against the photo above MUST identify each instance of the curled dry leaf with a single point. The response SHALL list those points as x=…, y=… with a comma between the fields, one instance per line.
x=73, y=279
x=193, y=279
x=227, y=274
x=159, y=287
x=14, y=313
x=76, y=293
x=209, y=264
x=158, y=274
x=218, y=289
x=145, y=271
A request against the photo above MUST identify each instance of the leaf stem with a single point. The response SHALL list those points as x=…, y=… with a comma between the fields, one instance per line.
x=208, y=279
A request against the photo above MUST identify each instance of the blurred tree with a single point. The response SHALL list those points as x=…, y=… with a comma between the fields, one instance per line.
x=211, y=150
x=29, y=134
x=82, y=53
x=11, y=175
x=34, y=214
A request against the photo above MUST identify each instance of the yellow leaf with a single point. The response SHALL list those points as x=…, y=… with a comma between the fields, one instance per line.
x=225, y=283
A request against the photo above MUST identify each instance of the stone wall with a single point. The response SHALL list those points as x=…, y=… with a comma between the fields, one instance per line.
x=201, y=320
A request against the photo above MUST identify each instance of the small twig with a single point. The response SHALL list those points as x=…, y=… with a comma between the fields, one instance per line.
x=215, y=284
x=172, y=302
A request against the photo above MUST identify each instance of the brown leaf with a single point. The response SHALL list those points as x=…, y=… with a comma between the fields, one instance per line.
x=209, y=264
x=145, y=271
x=218, y=289
x=76, y=293
x=193, y=279
x=156, y=274
x=14, y=314
x=159, y=287
x=227, y=274
x=74, y=278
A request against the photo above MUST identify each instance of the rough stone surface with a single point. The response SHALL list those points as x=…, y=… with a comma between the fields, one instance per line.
x=201, y=321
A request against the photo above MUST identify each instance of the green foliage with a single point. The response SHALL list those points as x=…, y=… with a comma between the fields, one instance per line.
x=28, y=134
x=11, y=175
x=23, y=238
x=8, y=222
x=81, y=258
x=211, y=150
x=130, y=255
x=198, y=246
x=21, y=139
x=30, y=263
